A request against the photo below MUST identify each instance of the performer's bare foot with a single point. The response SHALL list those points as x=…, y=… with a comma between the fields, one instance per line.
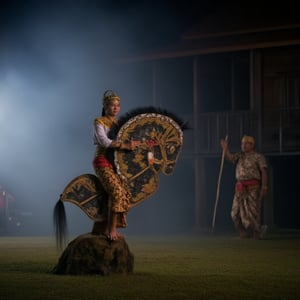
x=112, y=232
x=114, y=235
x=243, y=234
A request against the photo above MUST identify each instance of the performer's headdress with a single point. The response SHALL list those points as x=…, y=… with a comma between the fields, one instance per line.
x=248, y=139
x=108, y=96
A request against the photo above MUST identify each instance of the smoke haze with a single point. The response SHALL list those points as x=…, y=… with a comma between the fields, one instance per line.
x=56, y=60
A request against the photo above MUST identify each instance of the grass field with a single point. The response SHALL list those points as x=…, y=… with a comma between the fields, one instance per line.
x=166, y=267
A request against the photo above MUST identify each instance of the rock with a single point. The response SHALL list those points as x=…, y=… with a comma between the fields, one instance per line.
x=95, y=255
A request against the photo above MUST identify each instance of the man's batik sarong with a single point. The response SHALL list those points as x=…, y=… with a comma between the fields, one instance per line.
x=246, y=204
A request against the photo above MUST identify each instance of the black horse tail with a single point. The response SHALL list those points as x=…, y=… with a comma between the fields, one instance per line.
x=60, y=224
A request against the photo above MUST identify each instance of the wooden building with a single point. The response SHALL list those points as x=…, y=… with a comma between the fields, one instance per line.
x=232, y=74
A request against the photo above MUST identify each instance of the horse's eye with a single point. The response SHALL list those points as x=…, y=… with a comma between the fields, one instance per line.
x=171, y=149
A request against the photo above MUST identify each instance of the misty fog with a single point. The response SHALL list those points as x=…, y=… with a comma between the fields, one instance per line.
x=55, y=63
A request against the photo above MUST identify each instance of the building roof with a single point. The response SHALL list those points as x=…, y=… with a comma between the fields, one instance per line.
x=233, y=29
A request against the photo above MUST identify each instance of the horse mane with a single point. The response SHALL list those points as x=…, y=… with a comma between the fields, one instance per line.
x=148, y=109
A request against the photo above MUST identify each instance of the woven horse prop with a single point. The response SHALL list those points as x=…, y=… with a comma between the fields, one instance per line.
x=160, y=133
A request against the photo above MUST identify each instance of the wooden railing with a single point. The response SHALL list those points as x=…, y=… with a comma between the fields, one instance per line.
x=279, y=129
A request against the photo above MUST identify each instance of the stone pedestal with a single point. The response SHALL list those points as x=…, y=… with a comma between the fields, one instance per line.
x=95, y=255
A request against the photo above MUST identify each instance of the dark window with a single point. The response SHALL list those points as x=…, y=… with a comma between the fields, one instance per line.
x=224, y=82
x=293, y=93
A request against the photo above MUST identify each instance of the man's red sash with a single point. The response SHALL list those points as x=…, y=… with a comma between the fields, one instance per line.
x=240, y=185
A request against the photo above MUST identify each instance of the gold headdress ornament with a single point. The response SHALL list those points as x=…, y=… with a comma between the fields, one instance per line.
x=108, y=96
x=248, y=139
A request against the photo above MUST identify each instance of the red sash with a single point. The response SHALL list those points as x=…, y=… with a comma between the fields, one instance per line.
x=240, y=185
x=101, y=161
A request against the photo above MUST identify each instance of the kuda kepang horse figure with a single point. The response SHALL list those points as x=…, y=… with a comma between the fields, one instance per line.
x=160, y=133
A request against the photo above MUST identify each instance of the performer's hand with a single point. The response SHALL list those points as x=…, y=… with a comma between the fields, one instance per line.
x=263, y=191
x=134, y=144
x=130, y=145
x=224, y=144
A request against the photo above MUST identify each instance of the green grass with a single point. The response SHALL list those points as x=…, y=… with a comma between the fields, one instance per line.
x=170, y=267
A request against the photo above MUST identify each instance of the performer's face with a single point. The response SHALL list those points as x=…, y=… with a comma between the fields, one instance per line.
x=247, y=147
x=113, y=108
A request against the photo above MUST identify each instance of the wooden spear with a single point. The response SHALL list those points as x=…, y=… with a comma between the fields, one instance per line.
x=218, y=187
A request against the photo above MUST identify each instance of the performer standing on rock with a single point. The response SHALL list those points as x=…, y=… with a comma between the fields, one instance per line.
x=123, y=178
x=103, y=163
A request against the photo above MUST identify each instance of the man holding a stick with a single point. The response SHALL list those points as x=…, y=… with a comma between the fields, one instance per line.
x=250, y=188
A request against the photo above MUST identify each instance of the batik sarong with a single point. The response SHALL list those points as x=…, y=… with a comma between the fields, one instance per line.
x=119, y=195
x=246, y=204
